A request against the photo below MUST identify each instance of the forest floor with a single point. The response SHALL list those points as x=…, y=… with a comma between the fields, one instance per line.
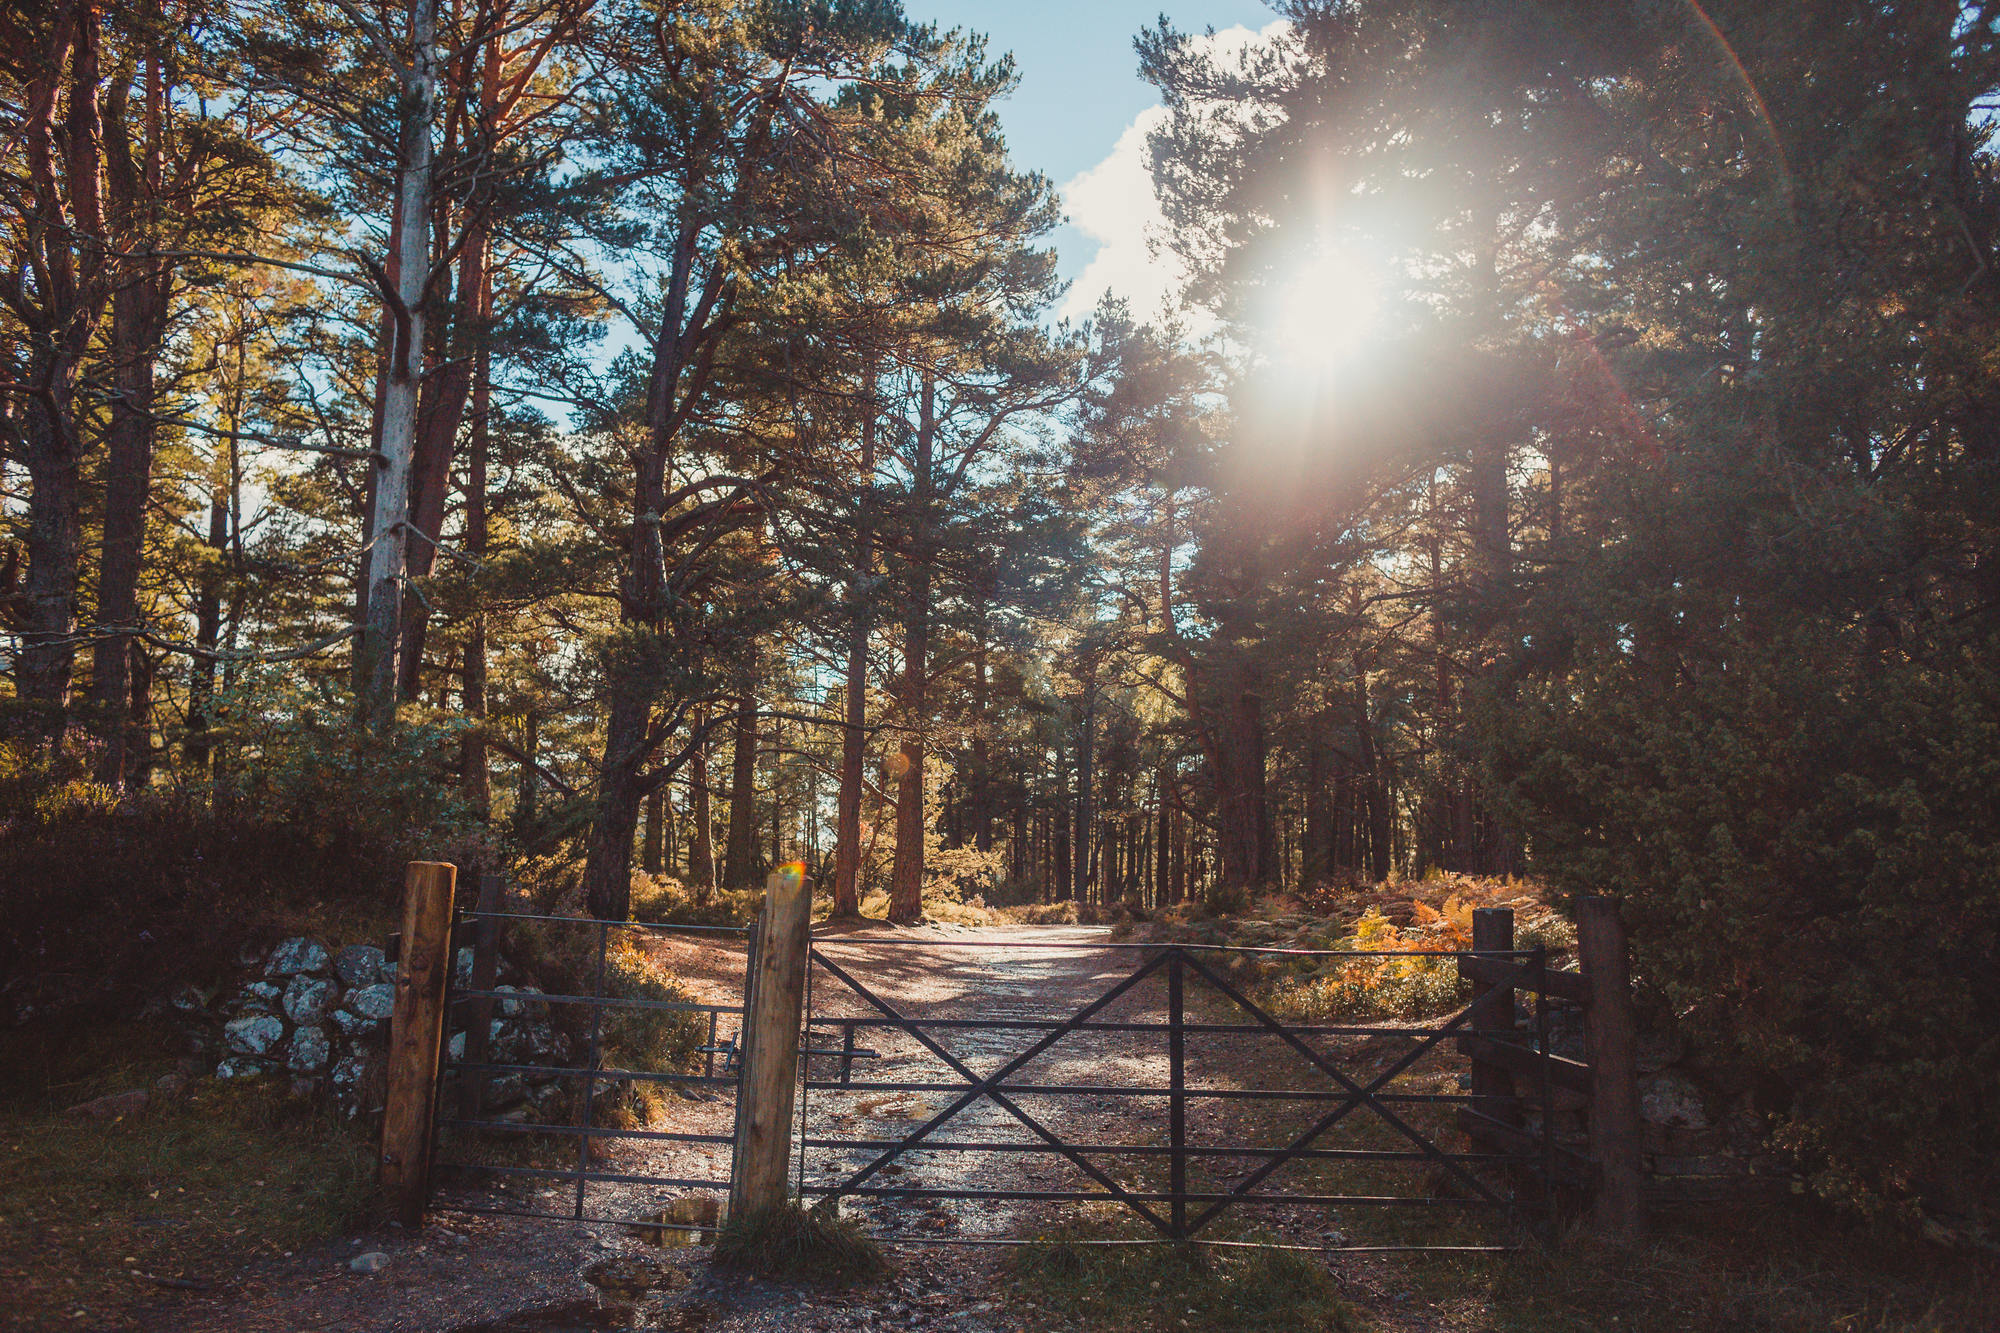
x=469, y=1273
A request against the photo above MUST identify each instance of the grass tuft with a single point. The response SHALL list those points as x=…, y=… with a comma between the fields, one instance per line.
x=1169, y=1287
x=809, y=1244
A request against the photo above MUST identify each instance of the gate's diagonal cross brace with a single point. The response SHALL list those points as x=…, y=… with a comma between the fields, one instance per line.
x=1360, y=1096
x=989, y=1086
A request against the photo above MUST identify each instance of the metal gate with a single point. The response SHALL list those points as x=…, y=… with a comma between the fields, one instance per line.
x=539, y=1131
x=1192, y=1139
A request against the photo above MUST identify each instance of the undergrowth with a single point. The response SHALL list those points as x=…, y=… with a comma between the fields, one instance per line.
x=1167, y=1287
x=800, y=1244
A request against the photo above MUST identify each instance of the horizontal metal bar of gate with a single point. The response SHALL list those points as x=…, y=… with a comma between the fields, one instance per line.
x=602, y=1001
x=606, y=921
x=598, y=1218
x=1160, y=1150
x=1092, y=1090
x=1146, y=1196
x=1126, y=946
x=617, y=1177
x=1047, y=1024
x=593, y=1131
x=600, y=1074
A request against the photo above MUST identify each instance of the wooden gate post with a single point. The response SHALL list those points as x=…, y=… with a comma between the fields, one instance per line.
x=773, y=1007
x=415, y=1032
x=1615, y=1136
x=1492, y=1084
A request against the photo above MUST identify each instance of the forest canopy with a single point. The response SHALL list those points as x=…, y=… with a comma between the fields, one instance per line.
x=608, y=438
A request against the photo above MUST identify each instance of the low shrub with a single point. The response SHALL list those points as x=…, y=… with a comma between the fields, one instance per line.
x=1158, y=1286
x=811, y=1244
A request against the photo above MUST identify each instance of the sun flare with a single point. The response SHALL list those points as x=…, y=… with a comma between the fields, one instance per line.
x=1322, y=313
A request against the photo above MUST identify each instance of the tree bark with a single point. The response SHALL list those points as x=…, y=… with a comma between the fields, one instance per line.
x=1316, y=851
x=472, y=754
x=701, y=850
x=656, y=833
x=906, y=885
x=853, y=735
x=524, y=799
x=138, y=322
x=1086, y=780
x=61, y=326
x=442, y=404
x=739, y=854
x=1245, y=837
x=388, y=551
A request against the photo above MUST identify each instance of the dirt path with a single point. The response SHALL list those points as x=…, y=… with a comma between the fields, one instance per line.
x=479, y=1274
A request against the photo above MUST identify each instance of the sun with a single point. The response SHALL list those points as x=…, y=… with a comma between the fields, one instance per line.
x=1323, y=311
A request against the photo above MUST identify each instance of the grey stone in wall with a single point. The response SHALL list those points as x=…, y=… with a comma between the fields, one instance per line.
x=353, y=1025
x=307, y=998
x=260, y=997
x=253, y=1034
x=376, y=1002
x=296, y=955
x=358, y=965
x=309, y=1051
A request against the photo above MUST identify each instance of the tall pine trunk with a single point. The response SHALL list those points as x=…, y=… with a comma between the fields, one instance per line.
x=906, y=884
x=389, y=545
x=701, y=848
x=853, y=736
x=61, y=327
x=739, y=855
x=119, y=693
x=472, y=754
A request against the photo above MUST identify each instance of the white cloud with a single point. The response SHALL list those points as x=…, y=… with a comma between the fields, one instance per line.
x=1114, y=205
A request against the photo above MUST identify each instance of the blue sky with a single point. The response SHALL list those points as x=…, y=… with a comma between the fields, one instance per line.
x=1075, y=112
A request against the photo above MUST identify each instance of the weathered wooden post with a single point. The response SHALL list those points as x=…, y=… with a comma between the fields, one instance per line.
x=1615, y=1136
x=773, y=1009
x=416, y=1031
x=1492, y=1084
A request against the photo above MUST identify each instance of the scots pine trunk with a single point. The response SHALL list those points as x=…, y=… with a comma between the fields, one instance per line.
x=472, y=754
x=653, y=854
x=853, y=759
x=1316, y=852
x=441, y=410
x=853, y=736
x=739, y=870
x=906, y=884
x=119, y=693
x=60, y=143
x=1245, y=837
x=1086, y=778
x=701, y=848
x=207, y=633
x=607, y=882
x=388, y=549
